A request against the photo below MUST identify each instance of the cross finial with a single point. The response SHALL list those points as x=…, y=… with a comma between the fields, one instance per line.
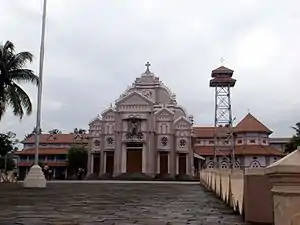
x=222, y=60
x=248, y=110
x=147, y=68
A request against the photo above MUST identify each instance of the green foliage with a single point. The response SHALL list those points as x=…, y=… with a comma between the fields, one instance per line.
x=12, y=72
x=295, y=140
x=9, y=161
x=7, y=142
x=55, y=131
x=79, y=131
x=77, y=158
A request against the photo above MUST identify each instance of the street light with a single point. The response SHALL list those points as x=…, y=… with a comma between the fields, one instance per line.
x=35, y=178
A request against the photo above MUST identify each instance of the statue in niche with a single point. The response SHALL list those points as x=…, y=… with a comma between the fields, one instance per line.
x=134, y=129
x=135, y=125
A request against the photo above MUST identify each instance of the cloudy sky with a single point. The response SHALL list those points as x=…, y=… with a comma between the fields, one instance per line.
x=95, y=48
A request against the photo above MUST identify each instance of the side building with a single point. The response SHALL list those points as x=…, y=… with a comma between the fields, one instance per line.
x=146, y=131
x=53, y=151
x=279, y=142
x=252, y=147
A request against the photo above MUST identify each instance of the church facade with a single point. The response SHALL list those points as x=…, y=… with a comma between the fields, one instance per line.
x=145, y=131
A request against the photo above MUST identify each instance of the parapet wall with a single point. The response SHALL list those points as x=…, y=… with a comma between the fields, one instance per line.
x=269, y=196
x=248, y=192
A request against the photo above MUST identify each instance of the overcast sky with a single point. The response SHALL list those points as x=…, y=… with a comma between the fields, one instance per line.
x=95, y=48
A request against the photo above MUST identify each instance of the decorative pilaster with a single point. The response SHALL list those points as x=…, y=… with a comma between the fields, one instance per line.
x=285, y=179
x=118, y=145
x=91, y=165
x=172, y=156
x=152, y=149
x=190, y=156
x=89, y=168
x=101, y=164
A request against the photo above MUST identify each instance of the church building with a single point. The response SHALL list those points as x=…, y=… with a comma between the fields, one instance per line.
x=146, y=131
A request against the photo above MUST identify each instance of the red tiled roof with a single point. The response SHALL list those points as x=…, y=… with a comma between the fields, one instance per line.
x=58, y=138
x=222, y=69
x=28, y=164
x=250, y=124
x=44, y=151
x=239, y=150
x=204, y=132
x=208, y=132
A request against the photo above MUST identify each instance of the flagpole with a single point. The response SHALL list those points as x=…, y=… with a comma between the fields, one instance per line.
x=40, y=86
x=35, y=177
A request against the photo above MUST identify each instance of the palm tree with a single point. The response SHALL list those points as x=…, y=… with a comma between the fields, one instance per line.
x=295, y=140
x=12, y=72
x=55, y=131
x=297, y=129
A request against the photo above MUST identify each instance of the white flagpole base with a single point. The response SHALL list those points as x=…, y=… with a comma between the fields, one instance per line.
x=35, y=178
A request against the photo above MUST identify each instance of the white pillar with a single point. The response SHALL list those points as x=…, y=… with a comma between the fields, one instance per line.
x=124, y=158
x=187, y=166
x=104, y=161
x=92, y=163
x=169, y=162
x=158, y=163
x=177, y=164
x=144, y=157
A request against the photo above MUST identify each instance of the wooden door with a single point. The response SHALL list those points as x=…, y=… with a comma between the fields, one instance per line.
x=109, y=162
x=163, y=162
x=134, y=160
x=96, y=163
x=182, y=163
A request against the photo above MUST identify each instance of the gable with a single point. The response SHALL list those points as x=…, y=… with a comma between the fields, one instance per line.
x=108, y=112
x=134, y=98
x=165, y=112
x=95, y=121
x=251, y=124
x=182, y=123
x=182, y=119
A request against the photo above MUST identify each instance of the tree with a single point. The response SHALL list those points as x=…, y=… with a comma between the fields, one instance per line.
x=295, y=140
x=297, y=129
x=7, y=142
x=7, y=162
x=7, y=148
x=77, y=158
x=79, y=131
x=55, y=131
x=12, y=72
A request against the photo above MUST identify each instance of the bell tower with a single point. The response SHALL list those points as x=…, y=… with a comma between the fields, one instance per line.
x=222, y=82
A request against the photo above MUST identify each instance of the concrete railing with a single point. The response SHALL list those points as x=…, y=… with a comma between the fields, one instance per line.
x=244, y=191
x=226, y=184
x=269, y=195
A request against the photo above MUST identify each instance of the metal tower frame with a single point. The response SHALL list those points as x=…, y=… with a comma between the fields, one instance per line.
x=224, y=143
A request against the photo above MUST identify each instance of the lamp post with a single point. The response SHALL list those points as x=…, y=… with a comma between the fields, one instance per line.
x=35, y=177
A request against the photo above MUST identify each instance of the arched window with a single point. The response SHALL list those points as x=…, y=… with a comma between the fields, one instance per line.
x=97, y=143
x=236, y=165
x=164, y=128
x=255, y=164
x=210, y=165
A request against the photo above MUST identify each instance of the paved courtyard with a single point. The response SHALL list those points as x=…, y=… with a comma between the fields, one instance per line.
x=113, y=203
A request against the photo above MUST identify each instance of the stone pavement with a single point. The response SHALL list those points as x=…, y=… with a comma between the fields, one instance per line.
x=113, y=203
